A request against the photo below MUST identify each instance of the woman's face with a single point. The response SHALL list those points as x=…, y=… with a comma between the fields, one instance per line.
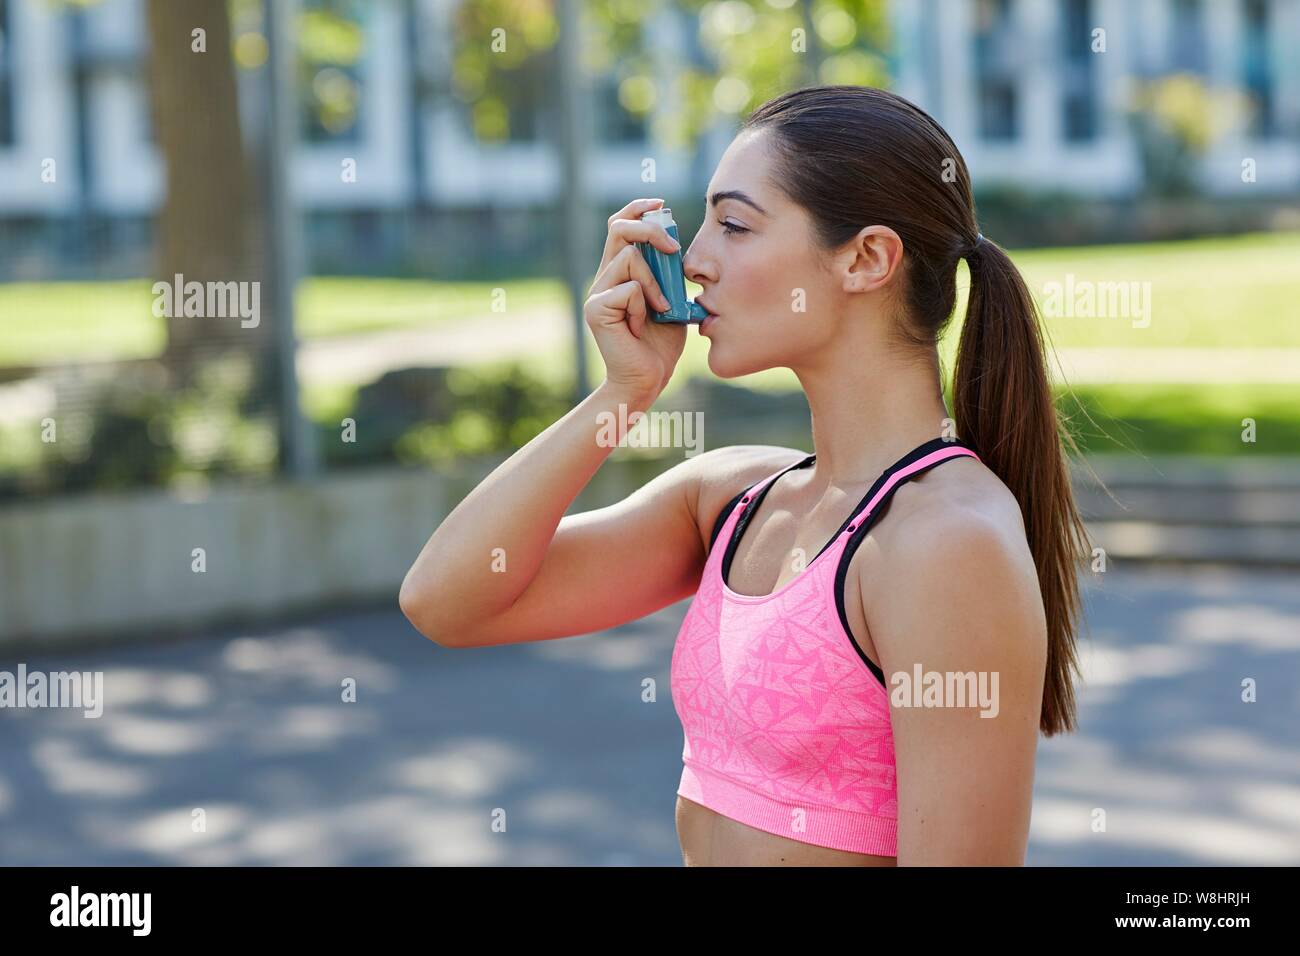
x=756, y=259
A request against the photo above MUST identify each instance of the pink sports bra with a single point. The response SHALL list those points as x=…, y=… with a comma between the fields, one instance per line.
x=786, y=721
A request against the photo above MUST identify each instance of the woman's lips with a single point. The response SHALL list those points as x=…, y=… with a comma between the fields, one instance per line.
x=708, y=320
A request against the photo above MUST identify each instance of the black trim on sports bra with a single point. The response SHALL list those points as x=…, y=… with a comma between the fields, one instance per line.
x=722, y=516
x=748, y=513
x=859, y=533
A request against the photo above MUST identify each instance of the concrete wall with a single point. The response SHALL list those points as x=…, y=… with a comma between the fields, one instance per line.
x=120, y=566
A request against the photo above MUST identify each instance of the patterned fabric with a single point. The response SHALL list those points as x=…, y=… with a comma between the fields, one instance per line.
x=785, y=727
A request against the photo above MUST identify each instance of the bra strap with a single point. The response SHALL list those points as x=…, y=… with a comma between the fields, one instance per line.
x=724, y=514
x=745, y=507
x=915, y=462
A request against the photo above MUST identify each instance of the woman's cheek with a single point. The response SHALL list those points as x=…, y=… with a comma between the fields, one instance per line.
x=779, y=292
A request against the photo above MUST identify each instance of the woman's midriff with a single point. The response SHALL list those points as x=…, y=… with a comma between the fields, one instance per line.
x=710, y=839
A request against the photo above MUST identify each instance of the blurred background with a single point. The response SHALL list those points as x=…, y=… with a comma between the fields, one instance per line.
x=392, y=210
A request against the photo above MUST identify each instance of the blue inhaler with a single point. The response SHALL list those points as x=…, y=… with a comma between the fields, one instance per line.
x=667, y=270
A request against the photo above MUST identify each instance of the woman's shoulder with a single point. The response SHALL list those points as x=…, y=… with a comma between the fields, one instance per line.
x=955, y=532
x=722, y=473
x=961, y=502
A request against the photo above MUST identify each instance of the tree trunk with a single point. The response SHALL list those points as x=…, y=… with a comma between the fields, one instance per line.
x=203, y=226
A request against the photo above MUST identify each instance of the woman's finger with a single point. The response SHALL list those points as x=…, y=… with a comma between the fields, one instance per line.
x=634, y=210
x=636, y=307
x=624, y=232
x=631, y=264
x=618, y=305
x=638, y=230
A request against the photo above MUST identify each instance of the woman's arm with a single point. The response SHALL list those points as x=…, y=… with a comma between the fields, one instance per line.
x=495, y=570
x=964, y=599
x=507, y=565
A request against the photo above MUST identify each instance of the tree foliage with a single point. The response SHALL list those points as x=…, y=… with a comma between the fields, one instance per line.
x=732, y=56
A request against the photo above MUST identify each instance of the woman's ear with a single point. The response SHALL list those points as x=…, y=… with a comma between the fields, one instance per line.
x=874, y=256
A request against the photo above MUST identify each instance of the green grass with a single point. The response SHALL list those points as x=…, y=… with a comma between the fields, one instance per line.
x=328, y=403
x=1184, y=419
x=1239, y=292
x=50, y=322
x=1225, y=293
x=61, y=321
x=1149, y=419
x=1144, y=419
x=329, y=305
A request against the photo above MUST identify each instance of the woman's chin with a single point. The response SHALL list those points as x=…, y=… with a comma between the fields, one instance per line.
x=722, y=368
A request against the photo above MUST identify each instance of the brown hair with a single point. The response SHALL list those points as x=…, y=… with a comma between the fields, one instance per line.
x=855, y=156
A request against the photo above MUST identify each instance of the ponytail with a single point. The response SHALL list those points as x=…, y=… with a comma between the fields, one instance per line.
x=1002, y=405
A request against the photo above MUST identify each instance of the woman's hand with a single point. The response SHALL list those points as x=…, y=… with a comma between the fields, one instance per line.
x=640, y=354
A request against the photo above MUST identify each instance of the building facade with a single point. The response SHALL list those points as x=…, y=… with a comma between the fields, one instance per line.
x=1030, y=90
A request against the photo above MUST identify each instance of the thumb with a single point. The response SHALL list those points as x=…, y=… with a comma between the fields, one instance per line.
x=636, y=309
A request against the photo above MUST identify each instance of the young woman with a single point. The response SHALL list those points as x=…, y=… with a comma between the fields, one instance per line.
x=928, y=544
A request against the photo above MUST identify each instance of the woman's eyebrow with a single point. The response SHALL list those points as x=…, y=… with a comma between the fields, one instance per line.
x=737, y=195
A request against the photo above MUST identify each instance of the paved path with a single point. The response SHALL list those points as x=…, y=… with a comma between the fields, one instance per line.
x=1179, y=366
x=248, y=725
x=359, y=359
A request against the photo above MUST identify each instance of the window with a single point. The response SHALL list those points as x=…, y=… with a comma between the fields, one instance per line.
x=995, y=70
x=6, y=78
x=631, y=76
x=331, y=53
x=614, y=124
x=527, y=94
x=1256, y=74
x=1187, y=40
x=1079, y=100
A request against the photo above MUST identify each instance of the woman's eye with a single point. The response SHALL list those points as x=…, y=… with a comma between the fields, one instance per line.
x=730, y=229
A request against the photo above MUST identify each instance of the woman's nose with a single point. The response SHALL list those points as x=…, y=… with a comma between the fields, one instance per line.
x=692, y=261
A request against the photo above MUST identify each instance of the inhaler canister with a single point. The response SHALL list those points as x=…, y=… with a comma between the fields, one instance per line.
x=667, y=270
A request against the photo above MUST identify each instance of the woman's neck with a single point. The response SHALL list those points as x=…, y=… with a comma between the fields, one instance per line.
x=868, y=411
